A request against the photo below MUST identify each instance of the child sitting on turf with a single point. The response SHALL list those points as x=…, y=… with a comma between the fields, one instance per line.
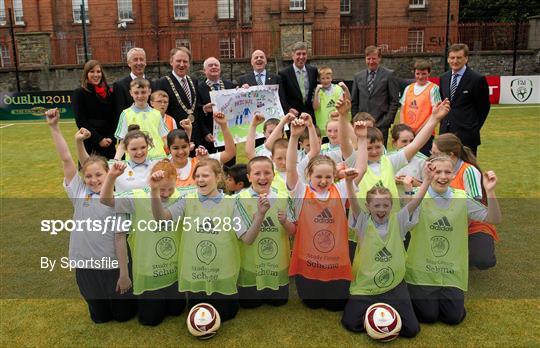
x=236, y=178
x=148, y=119
x=437, y=266
x=96, y=284
x=379, y=264
x=208, y=254
x=320, y=260
x=468, y=177
x=153, y=255
x=266, y=213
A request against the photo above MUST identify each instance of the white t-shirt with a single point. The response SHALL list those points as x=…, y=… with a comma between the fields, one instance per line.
x=299, y=191
x=397, y=159
x=434, y=94
x=475, y=210
x=135, y=176
x=87, y=244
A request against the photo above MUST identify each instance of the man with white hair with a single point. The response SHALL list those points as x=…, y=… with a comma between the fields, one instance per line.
x=213, y=81
x=136, y=59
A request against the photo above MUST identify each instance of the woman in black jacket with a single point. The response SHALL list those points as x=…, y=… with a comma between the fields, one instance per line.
x=94, y=110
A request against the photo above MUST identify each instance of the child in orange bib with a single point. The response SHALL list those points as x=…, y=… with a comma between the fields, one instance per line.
x=320, y=258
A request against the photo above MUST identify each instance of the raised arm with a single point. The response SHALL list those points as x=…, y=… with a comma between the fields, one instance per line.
x=494, y=215
x=343, y=106
x=297, y=128
x=230, y=147
x=360, y=130
x=439, y=112
x=277, y=133
x=70, y=170
x=417, y=198
x=106, y=196
x=314, y=143
x=346, y=92
x=251, y=234
x=316, y=98
x=258, y=118
x=81, y=135
x=187, y=126
x=351, y=175
x=159, y=212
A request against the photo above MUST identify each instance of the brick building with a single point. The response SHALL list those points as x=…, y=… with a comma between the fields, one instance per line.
x=50, y=31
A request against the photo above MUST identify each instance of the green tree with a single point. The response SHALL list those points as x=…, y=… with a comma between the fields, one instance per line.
x=497, y=10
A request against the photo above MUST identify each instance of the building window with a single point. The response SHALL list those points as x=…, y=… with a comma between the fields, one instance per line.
x=181, y=9
x=182, y=43
x=417, y=3
x=226, y=48
x=415, y=42
x=297, y=5
x=246, y=12
x=225, y=9
x=126, y=46
x=5, y=59
x=2, y=13
x=125, y=10
x=345, y=41
x=79, y=51
x=18, y=12
x=76, y=4
x=345, y=6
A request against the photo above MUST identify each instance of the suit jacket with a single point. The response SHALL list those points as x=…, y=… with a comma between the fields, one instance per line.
x=122, y=98
x=383, y=101
x=468, y=109
x=271, y=79
x=206, y=120
x=174, y=109
x=292, y=93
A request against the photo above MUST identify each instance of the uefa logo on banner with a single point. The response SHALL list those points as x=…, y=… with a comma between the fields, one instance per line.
x=521, y=89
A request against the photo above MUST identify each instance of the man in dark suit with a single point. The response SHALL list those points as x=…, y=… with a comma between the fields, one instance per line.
x=376, y=91
x=182, y=91
x=213, y=81
x=136, y=60
x=299, y=81
x=260, y=77
x=468, y=92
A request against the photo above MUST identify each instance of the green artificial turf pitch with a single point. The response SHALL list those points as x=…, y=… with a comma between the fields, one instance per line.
x=41, y=308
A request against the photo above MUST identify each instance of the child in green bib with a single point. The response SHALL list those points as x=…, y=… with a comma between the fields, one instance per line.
x=265, y=229
x=209, y=256
x=437, y=267
x=153, y=248
x=379, y=264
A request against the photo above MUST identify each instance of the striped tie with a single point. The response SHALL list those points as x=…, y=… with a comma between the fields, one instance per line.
x=259, y=79
x=370, y=80
x=185, y=87
x=453, y=85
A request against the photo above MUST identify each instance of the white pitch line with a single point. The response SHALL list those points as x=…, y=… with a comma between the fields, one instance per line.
x=27, y=123
x=6, y=125
x=515, y=107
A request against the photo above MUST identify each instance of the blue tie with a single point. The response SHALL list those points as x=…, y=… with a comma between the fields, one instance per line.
x=203, y=198
x=453, y=86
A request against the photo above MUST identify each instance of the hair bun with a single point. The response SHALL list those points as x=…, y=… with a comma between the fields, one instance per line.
x=133, y=127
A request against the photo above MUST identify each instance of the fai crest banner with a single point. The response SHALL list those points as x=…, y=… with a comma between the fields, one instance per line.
x=239, y=106
x=520, y=89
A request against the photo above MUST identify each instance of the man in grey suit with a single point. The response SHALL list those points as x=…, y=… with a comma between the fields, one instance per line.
x=376, y=91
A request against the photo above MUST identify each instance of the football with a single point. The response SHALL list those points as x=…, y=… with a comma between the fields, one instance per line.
x=203, y=321
x=382, y=322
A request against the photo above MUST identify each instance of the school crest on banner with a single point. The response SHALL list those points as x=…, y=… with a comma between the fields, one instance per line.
x=521, y=89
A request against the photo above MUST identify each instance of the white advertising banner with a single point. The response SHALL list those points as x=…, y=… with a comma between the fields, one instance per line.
x=520, y=89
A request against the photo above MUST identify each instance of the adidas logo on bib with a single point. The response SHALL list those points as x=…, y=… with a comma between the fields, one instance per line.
x=324, y=217
x=383, y=255
x=331, y=103
x=268, y=225
x=442, y=225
